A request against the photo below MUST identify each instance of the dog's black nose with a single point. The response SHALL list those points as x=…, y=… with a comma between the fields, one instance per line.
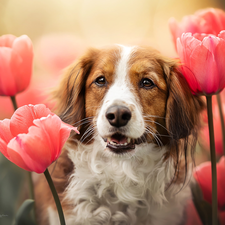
x=118, y=116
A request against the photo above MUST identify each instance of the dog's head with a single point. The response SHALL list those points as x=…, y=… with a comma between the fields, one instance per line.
x=128, y=96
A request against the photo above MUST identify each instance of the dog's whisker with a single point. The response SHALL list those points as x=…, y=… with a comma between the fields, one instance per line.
x=87, y=133
x=153, y=130
x=154, y=116
x=152, y=121
x=87, y=137
x=159, y=142
x=93, y=137
x=81, y=124
x=158, y=134
x=85, y=120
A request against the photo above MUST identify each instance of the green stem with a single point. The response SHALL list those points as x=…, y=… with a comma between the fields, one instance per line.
x=13, y=99
x=222, y=120
x=31, y=192
x=56, y=197
x=29, y=177
x=213, y=160
x=31, y=187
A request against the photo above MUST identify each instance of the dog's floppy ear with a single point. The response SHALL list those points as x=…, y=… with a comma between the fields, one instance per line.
x=70, y=95
x=183, y=108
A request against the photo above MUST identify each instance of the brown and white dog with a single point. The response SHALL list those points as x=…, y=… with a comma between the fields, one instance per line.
x=136, y=116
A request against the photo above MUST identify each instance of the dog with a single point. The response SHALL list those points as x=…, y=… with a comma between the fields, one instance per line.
x=138, y=124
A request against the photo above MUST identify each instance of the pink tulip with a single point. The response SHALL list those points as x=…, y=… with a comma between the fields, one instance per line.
x=202, y=57
x=208, y=21
x=16, y=56
x=203, y=176
x=33, y=138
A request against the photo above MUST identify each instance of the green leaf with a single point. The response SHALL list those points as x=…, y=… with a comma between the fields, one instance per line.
x=23, y=216
x=12, y=189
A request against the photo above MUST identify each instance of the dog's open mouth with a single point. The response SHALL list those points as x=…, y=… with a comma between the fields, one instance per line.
x=119, y=143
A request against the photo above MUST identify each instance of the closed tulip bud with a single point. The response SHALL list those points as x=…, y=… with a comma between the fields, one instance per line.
x=203, y=176
x=203, y=62
x=208, y=21
x=16, y=58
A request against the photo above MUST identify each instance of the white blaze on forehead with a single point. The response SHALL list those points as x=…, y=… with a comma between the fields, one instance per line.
x=121, y=92
x=121, y=88
x=122, y=66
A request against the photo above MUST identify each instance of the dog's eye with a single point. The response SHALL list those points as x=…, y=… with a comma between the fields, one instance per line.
x=147, y=83
x=100, y=81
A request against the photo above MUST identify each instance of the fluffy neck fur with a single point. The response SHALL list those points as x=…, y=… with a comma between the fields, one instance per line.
x=129, y=189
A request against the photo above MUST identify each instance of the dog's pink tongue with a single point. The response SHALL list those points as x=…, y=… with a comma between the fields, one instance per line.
x=119, y=139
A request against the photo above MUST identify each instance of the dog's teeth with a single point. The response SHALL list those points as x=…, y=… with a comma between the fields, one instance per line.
x=128, y=140
x=114, y=143
x=109, y=139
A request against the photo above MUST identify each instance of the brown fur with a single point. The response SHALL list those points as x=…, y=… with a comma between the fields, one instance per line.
x=77, y=98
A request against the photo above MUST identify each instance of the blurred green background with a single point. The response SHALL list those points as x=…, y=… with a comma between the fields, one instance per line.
x=61, y=30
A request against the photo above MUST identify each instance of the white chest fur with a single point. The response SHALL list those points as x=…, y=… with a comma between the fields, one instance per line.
x=108, y=189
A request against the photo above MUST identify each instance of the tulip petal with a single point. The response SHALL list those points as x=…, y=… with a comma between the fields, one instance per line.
x=174, y=29
x=221, y=183
x=210, y=42
x=36, y=144
x=200, y=36
x=32, y=148
x=9, y=60
x=5, y=136
x=207, y=75
x=65, y=133
x=50, y=127
x=189, y=24
x=7, y=40
x=54, y=129
x=185, y=47
x=203, y=176
x=68, y=126
x=23, y=47
x=219, y=55
x=40, y=110
x=16, y=157
x=215, y=19
x=23, y=117
x=191, y=79
x=222, y=34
